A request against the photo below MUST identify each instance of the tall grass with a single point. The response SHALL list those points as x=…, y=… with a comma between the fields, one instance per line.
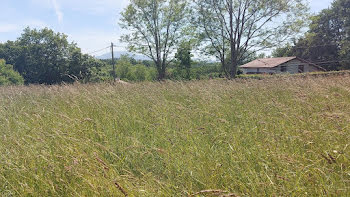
x=273, y=137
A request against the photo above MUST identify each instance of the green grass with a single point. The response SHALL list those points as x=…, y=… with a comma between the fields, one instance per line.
x=271, y=137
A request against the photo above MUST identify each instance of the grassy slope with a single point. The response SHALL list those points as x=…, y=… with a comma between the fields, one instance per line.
x=280, y=137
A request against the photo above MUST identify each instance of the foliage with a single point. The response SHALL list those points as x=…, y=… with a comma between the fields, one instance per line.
x=199, y=71
x=270, y=137
x=45, y=57
x=127, y=71
x=235, y=28
x=327, y=41
x=8, y=76
x=341, y=9
x=156, y=26
x=285, y=51
x=210, y=71
x=184, y=62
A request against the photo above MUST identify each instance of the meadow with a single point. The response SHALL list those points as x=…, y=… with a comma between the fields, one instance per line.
x=271, y=137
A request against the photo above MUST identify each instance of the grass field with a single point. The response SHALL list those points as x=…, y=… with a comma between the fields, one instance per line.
x=272, y=137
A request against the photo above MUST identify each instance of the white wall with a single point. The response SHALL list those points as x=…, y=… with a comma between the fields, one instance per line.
x=261, y=70
x=292, y=68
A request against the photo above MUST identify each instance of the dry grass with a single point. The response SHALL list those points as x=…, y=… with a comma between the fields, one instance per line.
x=274, y=137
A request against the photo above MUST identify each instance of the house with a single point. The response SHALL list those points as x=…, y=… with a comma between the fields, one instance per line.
x=291, y=65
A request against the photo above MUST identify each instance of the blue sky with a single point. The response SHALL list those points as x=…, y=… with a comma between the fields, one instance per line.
x=93, y=24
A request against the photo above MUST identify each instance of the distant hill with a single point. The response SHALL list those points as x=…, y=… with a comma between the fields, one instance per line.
x=118, y=54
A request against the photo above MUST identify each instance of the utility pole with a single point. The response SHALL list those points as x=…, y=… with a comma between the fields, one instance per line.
x=114, y=75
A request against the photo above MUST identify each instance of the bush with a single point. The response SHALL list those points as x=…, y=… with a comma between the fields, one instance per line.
x=122, y=71
x=125, y=70
x=8, y=76
x=45, y=57
x=140, y=72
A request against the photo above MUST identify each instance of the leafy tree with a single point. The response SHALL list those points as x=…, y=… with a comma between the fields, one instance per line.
x=318, y=44
x=156, y=26
x=84, y=68
x=285, y=51
x=45, y=57
x=123, y=66
x=327, y=41
x=126, y=70
x=183, y=56
x=8, y=76
x=341, y=9
x=236, y=28
x=140, y=72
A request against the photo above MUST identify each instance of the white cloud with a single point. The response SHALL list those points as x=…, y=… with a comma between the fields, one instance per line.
x=12, y=28
x=11, y=31
x=58, y=11
x=96, y=7
x=92, y=40
x=318, y=5
x=34, y=23
x=7, y=28
x=92, y=6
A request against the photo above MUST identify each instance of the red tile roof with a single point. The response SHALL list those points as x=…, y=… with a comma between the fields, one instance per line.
x=268, y=62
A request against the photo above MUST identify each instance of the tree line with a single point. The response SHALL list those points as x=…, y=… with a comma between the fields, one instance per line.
x=45, y=57
x=230, y=30
x=327, y=41
x=172, y=32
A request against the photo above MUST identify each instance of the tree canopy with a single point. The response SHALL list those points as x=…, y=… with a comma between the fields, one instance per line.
x=8, y=76
x=156, y=28
x=237, y=28
x=184, y=61
x=45, y=57
x=327, y=42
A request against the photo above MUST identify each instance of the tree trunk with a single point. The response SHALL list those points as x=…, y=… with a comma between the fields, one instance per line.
x=161, y=74
x=233, y=66
x=224, y=68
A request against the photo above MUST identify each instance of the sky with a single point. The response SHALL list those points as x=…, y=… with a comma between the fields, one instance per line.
x=92, y=24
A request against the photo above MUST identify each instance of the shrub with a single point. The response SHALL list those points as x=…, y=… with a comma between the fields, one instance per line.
x=8, y=76
x=125, y=70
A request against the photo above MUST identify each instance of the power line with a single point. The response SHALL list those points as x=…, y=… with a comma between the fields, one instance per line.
x=335, y=61
x=99, y=50
x=93, y=52
x=118, y=46
x=313, y=46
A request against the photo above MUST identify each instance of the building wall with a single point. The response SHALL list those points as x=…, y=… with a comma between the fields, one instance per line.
x=292, y=68
x=260, y=70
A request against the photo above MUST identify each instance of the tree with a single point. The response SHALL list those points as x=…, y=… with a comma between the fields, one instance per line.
x=327, y=41
x=235, y=28
x=341, y=10
x=155, y=27
x=8, y=76
x=140, y=72
x=183, y=57
x=318, y=44
x=128, y=71
x=45, y=57
x=83, y=67
x=285, y=51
